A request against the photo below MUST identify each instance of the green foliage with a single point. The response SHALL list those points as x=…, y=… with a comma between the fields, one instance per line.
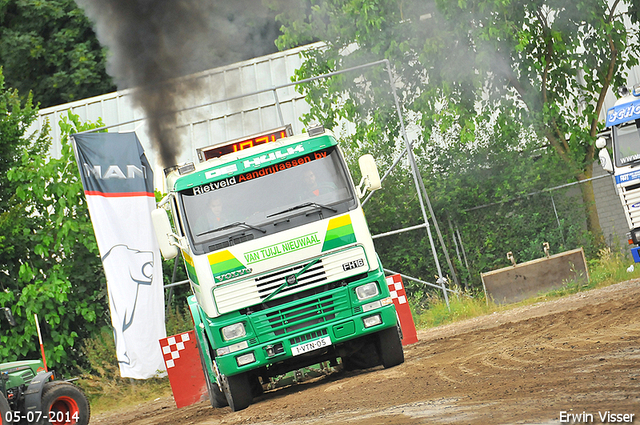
x=178, y=320
x=503, y=99
x=16, y=115
x=49, y=48
x=609, y=267
x=461, y=306
x=56, y=272
x=101, y=380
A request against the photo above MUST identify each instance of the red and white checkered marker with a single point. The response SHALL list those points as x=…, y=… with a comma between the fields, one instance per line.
x=184, y=368
x=399, y=296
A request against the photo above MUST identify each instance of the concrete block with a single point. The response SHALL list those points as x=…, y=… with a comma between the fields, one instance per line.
x=525, y=280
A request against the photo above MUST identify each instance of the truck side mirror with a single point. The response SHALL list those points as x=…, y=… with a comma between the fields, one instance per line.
x=605, y=160
x=370, y=177
x=9, y=316
x=162, y=228
x=603, y=155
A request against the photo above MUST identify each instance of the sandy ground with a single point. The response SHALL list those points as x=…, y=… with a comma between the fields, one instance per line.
x=579, y=355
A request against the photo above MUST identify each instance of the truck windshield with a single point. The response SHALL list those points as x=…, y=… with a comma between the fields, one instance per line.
x=627, y=140
x=267, y=200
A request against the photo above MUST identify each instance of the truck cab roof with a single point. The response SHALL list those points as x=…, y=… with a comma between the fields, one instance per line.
x=202, y=172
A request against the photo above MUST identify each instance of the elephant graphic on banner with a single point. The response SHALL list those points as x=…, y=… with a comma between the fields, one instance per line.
x=126, y=269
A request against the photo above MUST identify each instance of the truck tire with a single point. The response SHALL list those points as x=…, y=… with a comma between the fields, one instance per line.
x=364, y=358
x=4, y=409
x=216, y=397
x=237, y=389
x=390, y=347
x=64, y=404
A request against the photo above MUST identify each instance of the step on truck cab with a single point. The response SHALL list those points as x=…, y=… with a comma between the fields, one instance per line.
x=623, y=130
x=281, y=263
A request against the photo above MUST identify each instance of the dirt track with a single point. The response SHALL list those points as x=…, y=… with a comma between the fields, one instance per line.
x=579, y=354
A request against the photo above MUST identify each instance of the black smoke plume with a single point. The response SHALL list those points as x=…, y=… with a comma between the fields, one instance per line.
x=152, y=42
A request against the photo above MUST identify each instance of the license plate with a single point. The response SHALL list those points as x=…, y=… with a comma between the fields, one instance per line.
x=296, y=350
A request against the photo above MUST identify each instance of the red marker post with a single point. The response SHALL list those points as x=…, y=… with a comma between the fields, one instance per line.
x=44, y=359
x=184, y=368
x=399, y=296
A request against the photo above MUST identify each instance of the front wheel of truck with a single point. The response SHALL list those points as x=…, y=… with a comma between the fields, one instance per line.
x=390, y=347
x=237, y=390
x=216, y=397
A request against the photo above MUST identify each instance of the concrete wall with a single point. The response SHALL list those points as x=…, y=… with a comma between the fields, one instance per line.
x=526, y=280
x=612, y=217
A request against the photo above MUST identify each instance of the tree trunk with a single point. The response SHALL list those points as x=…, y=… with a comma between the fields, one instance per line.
x=589, y=200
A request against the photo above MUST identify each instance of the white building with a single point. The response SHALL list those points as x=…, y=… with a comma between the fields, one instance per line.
x=213, y=123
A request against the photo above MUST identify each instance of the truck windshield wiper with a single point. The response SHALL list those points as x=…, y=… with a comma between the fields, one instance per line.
x=306, y=204
x=232, y=225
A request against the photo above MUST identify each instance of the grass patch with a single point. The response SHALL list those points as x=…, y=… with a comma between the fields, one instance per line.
x=101, y=380
x=607, y=269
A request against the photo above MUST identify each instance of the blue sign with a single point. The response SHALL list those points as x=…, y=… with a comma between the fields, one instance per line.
x=622, y=178
x=623, y=113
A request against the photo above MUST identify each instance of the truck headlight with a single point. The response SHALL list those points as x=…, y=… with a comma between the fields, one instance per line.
x=374, y=320
x=367, y=291
x=635, y=236
x=245, y=359
x=233, y=331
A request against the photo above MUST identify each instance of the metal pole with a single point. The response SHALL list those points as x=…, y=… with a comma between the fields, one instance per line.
x=464, y=254
x=435, y=224
x=278, y=107
x=182, y=282
x=455, y=242
x=173, y=279
x=414, y=169
x=395, y=232
x=555, y=211
x=404, y=276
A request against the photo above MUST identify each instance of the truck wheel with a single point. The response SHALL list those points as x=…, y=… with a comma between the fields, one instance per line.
x=237, y=389
x=365, y=358
x=64, y=404
x=216, y=397
x=4, y=409
x=390, y=347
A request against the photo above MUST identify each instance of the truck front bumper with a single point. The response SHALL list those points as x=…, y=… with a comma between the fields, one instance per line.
x=308, y=341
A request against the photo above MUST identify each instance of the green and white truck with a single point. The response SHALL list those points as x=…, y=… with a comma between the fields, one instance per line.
x=281, y=263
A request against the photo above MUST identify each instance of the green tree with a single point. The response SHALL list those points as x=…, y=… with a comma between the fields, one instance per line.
x=547, y=64
x=48, y=48
x=15, y=118
x=56, y=270
x=16, y=115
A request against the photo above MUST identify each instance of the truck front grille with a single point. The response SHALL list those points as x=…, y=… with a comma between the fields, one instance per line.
x=244, y=293
x=300, y=314
x=631, y=198
x=312, y=276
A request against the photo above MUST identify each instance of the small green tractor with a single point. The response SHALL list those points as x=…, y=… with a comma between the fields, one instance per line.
x=30, y=395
